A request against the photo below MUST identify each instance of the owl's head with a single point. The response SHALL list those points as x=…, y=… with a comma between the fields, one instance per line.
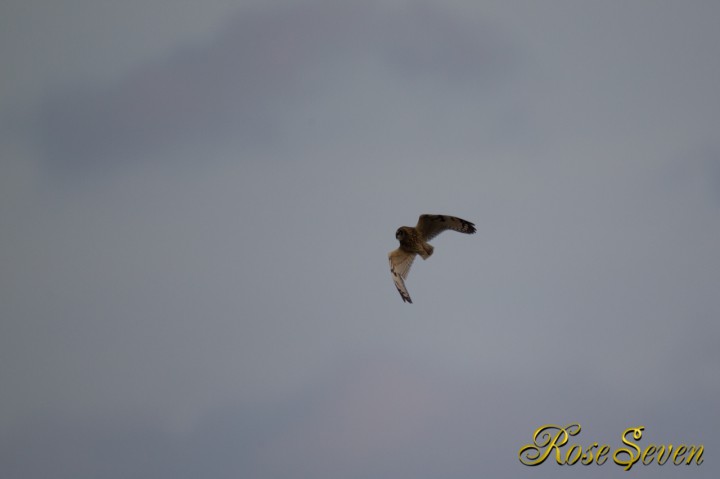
x=400, y=234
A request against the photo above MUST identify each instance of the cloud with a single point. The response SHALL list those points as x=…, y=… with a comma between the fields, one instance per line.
x=371, y=417
x=266, y=63
x=197, y=321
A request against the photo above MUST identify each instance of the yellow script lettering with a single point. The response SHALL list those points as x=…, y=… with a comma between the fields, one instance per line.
x=632, y=458
x=544, y=442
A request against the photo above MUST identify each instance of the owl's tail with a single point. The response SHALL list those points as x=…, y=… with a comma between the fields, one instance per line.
x=426, y=251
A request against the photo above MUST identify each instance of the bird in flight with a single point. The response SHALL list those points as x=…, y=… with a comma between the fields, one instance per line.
x=413, y=242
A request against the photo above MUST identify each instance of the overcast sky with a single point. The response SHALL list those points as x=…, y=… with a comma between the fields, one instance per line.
x=197, y=200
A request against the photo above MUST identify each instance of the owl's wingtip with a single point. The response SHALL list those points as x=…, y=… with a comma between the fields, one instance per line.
x=404, y=295
x=468, y=227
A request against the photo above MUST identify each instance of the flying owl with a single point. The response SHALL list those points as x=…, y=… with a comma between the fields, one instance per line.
x=413, y=241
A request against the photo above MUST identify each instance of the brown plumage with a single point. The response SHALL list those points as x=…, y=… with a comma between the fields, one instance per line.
x=414, y=241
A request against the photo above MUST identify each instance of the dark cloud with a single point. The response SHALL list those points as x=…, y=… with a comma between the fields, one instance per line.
x=77, y=446
x=263, y=65
x=709, y=159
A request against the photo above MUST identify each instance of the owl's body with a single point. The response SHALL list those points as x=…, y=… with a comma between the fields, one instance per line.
x=414, y=241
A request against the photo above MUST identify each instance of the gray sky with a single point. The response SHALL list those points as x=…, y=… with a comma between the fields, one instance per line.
x=197, y=200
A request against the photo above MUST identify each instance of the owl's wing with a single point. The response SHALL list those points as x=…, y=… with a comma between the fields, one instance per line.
x=430, y=226
x=400, y=262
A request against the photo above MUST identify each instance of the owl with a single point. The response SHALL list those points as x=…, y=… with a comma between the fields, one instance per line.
x=413, y=241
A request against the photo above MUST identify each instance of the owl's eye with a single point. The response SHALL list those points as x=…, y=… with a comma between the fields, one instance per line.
x=399, y=234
